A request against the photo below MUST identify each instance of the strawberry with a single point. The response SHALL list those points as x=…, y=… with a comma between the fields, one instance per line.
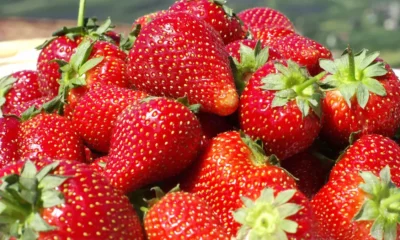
x=215, y=13
x=99, y=164
x=303, y=51
x=188, y=59
x=49, y=136
x=359, y=206
x=8, y=140
x=257, y=18
x=18, y=88
x=361, y=96
x=63, y=200
x=181, y=215
x=144, y=20
x=310, y=171
x=270, y=35
x=96, y=112
x=35, y=103
x=230, y=167
x=281, y=106
x=152, y=141
x=248, y=56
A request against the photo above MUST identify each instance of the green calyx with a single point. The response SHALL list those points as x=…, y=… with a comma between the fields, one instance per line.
x=250, y=61
x=355, y=76
x=266, y=217
x=293, y=82
x=258, y=156
x=382, y=204
x=159, y=195
x=6, y=84
x=24, y=196
x=127, y=43
x=195, y=108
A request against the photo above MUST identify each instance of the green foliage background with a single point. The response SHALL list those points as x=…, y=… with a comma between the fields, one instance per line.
x=372, y=24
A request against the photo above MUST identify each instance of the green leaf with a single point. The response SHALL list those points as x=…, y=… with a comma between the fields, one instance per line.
x=81, y=55
x=7, y=81
x=330, y=82
x=51, y=198
x=29, y=170
x=77, y=82
x=289, y=226
x=38, y=224
x=52, y=181
x=282, y=68
x=368, y=211
x=267, y=195
x=46, y=170
x=280, y=234
x=279, y=102
x=29, y=113
x=247, y=202
x=390, y=231
x=91, y=63
x=362, y=95
x=384, y=175
x=284, y=196
x=348, y=91
x=375, y=70
x=374, y=86
x=44, y=44
x=288, y=209
x=273, y=82
x=328, y=65
x=378, y=228
x=303, y=106
x=30, y=196
x=261, y=58
x=287, y=93
x=240, y=216
x=2, y=207
x=367, y=60
x=106, y=26
x=29, y=234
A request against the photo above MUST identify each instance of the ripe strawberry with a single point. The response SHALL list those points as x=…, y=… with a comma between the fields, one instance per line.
x=99, y=164
x=62, y=200
x=311, y=172
x=96, y=112
x=359, y=206
x=152, y=141
x=362, y=95
x=49, y=136
x=35, y=103
x=18, y=88
x=8, y=140
x=270, y=35
x=248, y=56
x=230, y=167
x=303, y=51
x=181, y=215
x=217, y=14
x=281, y=107
x=144, y=20
x=188, y=59
x=258, y=18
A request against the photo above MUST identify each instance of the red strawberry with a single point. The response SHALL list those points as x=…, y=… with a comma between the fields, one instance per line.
x=233, y=166
x=310, y=171
x=63, y=200
x=18, y=88
x=257, y=18
x=281, y=107
x=303, y=51
x=181, y=215
x=248, y=56
x=150, y=142
x=96, y=112
x=144, y=20
x=359, y=206
x=49, y=136
x=35, y=103
x=215, y=13
x=8, y=140
x=99, y=164
x=188, y=59
x=270, y=35
x=362, y=95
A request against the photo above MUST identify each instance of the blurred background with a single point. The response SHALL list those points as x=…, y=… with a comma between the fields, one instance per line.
x=372, y=24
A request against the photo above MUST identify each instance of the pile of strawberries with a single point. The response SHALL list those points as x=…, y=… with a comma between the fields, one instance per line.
x=201, y=124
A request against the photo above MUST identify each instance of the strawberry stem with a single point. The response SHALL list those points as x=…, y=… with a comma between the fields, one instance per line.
x=352, y=65
x=300, y=88
x=392, y=201
x=81, y=13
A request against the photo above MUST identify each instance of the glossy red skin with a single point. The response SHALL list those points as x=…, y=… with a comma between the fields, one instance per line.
x=85, y=214
x=37, y=103
x=174, y=59
x=150, y=142
x=8, y=140
x=111, y=71
x=25, y=89
x=369, y=153
x=312, y=174
x=234, y=49
x=225, y=172
x=50, y=136
x=270, y=35
x=181, y=215
x=60, y=48
x=381, y=115
x=144, y=20
x=257, y=18
x=96, y=165
x=96, y=112
x=229, y=28
x=304, y=51
x=283, y=130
